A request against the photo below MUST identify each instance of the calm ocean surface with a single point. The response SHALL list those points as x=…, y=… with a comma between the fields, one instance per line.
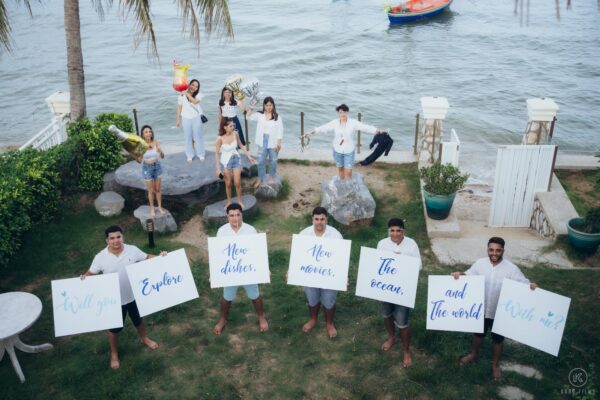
x=312, y=55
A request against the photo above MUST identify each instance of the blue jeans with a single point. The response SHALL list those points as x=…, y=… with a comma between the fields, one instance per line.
x=265, y=152
x=194, y=141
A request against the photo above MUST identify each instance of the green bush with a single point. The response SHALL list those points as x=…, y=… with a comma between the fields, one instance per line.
x=29, y=194
x=442, y=179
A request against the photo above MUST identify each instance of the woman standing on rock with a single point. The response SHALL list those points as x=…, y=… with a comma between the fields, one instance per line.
x=228, y=106
x=189, y=114
x=269, y=133
x=151, y=168
x=343, y=141
x=228, y=161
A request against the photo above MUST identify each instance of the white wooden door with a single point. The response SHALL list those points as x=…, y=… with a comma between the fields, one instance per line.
x=521, y=171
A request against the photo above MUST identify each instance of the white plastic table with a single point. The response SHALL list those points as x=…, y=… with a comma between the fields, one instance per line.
x=18, y=311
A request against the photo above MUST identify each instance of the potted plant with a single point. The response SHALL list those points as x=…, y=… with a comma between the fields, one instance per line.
x=440, y=184
x=584, y=233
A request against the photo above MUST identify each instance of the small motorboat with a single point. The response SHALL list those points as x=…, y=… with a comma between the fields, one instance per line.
x=413, y=10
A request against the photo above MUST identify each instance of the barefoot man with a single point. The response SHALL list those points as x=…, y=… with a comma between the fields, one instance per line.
x=317, y=296
x=114, y=258
x=494, y=268
x=395, y=314
x=236, y=226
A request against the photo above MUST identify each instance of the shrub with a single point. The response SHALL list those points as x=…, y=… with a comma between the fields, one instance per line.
x=442, y=179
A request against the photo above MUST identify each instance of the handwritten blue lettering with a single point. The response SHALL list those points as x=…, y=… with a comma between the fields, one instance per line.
x=167, y=280
x=457, y=294
x=318, y=252
x=75, y=304
x=552, y=320
x=387, y=287
x=234, y=251
x=315, y=269
x=475, y=311
x=239, y=267
x=437, y=311
x=385, y=267
x=516, y=311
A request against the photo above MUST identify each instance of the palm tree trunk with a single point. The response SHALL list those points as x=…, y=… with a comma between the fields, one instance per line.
x=74, y=59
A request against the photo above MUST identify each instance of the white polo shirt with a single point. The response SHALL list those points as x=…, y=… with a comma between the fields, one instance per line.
x=330, y=232
x=227, y=230
x=407, y=246
x=493, y=280
x=105, y=262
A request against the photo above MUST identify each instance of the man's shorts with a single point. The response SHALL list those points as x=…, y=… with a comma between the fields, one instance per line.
x=345, y=160
x=400, y=314
x=151, y=172
x=323, y=296
x=230, y=292
x=487, y=326
x=134, y=314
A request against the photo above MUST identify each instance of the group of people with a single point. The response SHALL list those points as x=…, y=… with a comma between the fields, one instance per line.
x=230, y=139
x=495, y=268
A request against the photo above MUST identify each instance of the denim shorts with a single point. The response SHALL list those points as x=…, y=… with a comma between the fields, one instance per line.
x=229, y=292
x=400, y=314
x=151, y=172
x=322, y=296
x=233, y=163
x=345, y=160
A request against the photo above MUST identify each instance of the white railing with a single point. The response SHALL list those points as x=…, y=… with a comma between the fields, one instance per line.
x=53, y=134
x=451, y=150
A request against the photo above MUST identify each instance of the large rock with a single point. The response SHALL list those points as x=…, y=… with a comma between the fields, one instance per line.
x=162, y=223
x=110, y=183
x=179, y=177
x=269, y=190
x=109, y=204
x=215, y=213
x=348, y=201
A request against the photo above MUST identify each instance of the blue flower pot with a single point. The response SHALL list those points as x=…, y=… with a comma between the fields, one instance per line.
x=581, y=240
x=438, y=205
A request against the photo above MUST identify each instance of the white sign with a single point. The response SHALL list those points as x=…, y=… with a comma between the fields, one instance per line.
x=88, y=305
x=319, y=262
x=389, y=277
x=162, y=282
x=456, y=304
x=238, y=260
x=533, y=317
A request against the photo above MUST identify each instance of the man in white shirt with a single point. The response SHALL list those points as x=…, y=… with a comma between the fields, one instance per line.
x=236, y=226
x=395, y=314
x=318, y=296
x=494, y=268
x=114, y=258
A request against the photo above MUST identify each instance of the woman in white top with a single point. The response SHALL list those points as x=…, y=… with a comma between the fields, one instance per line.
x=228, y=159
x=189, y=115
x=269, y=133
x=343, y=141
x=228, y=106
x=151, y=168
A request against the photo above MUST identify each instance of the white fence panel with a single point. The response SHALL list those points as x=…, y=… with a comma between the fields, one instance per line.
x=451, y=150
x=521, y=171
x=53, y=134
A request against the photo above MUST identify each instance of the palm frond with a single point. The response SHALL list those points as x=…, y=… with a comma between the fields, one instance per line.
x=5, y=40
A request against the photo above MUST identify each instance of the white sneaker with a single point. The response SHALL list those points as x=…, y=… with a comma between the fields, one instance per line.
x=201, y=158
x=189, y=160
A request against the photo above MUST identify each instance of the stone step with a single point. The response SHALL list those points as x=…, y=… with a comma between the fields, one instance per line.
x=215, y=213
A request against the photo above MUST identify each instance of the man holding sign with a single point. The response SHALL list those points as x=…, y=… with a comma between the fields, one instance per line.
x=395, y=314
x=114, y=258
x=495, y=269
x=236, y=226
x=318, y=296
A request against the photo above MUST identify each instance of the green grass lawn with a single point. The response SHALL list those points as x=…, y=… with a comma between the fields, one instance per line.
x=193, y=363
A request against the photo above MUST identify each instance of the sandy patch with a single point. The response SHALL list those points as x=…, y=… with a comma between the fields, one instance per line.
x=192, y=233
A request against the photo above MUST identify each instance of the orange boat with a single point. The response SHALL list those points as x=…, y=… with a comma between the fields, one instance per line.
x=413, y=10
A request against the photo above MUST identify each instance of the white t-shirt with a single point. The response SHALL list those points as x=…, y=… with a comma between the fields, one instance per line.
x=267, y=127
x=330, y=232
x=227, y=230
x=407, y=246
x=343, y=141
x=228, y=110
x=105, y=262
x=188, y=109
x=493, y=280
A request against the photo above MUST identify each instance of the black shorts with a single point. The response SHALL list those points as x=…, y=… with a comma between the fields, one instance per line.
x=134, y=315
x=487, y=326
